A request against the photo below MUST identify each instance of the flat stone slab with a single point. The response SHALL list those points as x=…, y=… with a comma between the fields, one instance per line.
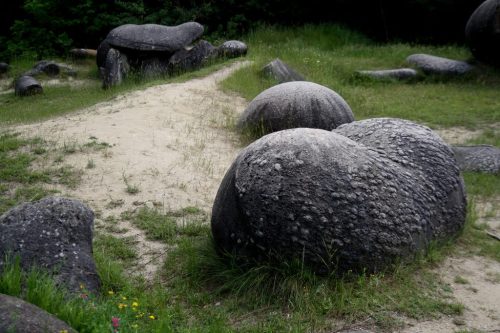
x=480, y=158
x=430, y=64
x=398, y=74
x=281, y=72
x=154, y=37
x=20, y=316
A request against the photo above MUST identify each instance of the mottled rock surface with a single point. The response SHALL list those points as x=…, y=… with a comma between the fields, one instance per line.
x=102, y=53
x=19, y=316
x=480, y=158
x=281, y=72
x=54, y=234
x=154, y=37
x=232, y=49
x=185, y=60
x=115, y=68
x=482, y=32
x=361, y=197
x=398, y=74
x=27, y=85
x=295, y=104
x=430, y=64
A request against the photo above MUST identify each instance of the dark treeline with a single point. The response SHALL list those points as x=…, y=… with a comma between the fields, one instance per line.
x=42, y=27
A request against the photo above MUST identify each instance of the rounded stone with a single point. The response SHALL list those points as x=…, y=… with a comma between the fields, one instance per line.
x=27, y=85
x=295, y=104
x=356, y=199
x=482, y=32
x=434, y=65
x=232, y=49
x=154, y=37
x=54, y=234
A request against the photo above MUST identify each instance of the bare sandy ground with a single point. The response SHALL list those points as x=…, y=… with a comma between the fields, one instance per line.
x=171, y=142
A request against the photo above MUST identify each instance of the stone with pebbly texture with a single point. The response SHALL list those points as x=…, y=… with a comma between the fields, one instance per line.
x=232, y=49
x=295, y=104
x=480, y=158
x=362, y=197
x=54, y=234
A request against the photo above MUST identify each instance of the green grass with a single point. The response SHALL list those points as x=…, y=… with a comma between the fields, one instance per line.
x=330, y=55
x=58, y=100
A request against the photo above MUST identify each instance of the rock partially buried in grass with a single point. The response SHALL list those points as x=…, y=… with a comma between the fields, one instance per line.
x=295, y=104
x=27, y=86
x=232, y=49
x=115, y=68
x=54, y=234
x=480, y=158
x=19, y=316
x=281, y=72
x=154, y=37
x=397, y=74
x=337, y=203
x=430, y=64
x=483, y=32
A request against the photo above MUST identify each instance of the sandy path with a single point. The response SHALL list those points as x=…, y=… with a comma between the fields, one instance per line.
x=171, y=142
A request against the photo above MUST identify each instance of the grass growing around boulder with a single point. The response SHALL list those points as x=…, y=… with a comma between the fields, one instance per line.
x=330, y=55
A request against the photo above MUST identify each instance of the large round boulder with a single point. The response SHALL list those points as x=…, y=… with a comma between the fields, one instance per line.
x=154, y=37
x=482, y=32
x=295, y=104
x=19, y=316
x=54, y=234
x=359, y=198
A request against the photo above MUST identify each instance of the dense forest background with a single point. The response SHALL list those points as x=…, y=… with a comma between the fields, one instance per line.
x=40, y=28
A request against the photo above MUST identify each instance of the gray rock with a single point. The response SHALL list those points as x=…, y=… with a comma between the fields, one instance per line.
x=27, y=85
x=102, y=53
x=19, y=316
x=338, y=203
x=4, y=67
x=115, y=68
x=430, y=64
x=482, y=32
x=44, y=66
x=480, y=158
x=186, y=60
x=295, y=104
x=51, y=69
x=232, y=49
x=281, y=72
x=154, y=37
x=54, y=234
x=398, y=74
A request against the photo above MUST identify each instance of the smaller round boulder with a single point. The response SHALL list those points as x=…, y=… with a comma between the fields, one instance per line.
x=292, y=105
x=232, y=49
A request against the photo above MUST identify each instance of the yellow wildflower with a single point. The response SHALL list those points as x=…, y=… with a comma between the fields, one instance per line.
x=111, y=292
x=121, y=305
x=124, y=298
x=135, y=304
x=152, y=317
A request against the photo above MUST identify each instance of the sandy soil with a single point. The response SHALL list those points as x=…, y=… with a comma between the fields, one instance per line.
x=171, y=142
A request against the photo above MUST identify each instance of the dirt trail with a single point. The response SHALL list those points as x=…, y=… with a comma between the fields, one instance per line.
x=168, y=142
x=171, y=144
